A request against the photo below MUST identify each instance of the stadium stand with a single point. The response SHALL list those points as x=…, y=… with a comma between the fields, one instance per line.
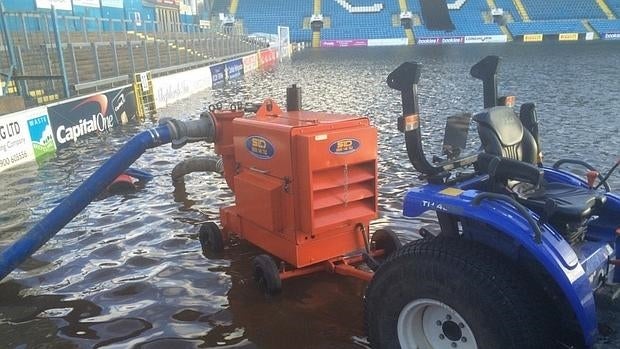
x=366, y=19
x=603, y=26
x=614, y=6
x=468, y=21
x=220, y=6
x=561, y=9
x=547, y=27
x=266, y=15
x=370, y=24
x=509, y=7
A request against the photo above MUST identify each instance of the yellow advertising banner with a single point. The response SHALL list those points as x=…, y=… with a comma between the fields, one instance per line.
x=568, y=37
x=532, y=37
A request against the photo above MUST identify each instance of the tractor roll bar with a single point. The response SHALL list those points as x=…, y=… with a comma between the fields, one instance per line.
x=486, y=70
x=405, y=79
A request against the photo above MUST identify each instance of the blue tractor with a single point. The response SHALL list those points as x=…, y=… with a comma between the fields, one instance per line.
x=521, y=249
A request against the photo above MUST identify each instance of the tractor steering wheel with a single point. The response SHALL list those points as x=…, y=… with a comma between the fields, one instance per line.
x=602, y=180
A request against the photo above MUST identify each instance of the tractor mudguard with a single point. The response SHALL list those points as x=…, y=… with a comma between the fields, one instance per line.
x=553, y=175
x=554, y=254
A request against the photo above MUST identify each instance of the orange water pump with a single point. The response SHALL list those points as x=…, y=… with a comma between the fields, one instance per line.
x=305, y=186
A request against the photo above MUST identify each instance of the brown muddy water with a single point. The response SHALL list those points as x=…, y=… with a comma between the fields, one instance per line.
x=128, y=271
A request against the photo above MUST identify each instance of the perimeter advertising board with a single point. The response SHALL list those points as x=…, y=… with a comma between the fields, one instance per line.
x=25, y=136
x=388, y=42
x=233, y=69
x=112, y=3
x=86, y=3
x=568, y=37
x=485, y=39
x=250, y=63
x=171, y=88
x=344, y=43
x=91, y=115
x=58, y=4
x=611, y=36
x=532, y=38
x=441, y=40
x=217, y=74
x=267, y=56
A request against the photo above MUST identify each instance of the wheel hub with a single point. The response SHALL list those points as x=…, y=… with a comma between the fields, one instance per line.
x=430, y=324
x=452, y=331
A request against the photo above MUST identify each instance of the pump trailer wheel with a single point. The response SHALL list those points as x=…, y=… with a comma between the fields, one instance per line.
x=386, y=240
x=211, y=239
x=266, y=274
x=451, y=293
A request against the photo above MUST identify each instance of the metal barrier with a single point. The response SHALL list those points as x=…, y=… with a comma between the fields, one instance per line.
x=62, y=56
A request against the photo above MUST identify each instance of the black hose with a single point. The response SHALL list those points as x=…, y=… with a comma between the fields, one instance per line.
x=197, y=164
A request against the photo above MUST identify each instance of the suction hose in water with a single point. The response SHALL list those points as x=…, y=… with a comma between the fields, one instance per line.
x=175, y=131
x=197, y=164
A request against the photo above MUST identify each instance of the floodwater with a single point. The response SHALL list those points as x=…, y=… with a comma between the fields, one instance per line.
x=128, y=271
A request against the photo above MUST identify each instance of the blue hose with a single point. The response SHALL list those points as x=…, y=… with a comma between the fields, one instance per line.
x=73, y=204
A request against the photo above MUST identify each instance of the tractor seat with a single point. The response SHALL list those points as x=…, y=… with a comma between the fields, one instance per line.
x=571, y=202
x=503, y=135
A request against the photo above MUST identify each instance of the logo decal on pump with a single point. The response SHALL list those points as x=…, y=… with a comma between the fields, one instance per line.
x=344, y=146
x=260, y=147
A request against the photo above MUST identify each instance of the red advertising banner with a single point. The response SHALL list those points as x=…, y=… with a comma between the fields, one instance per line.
x=268, y=56
x=345, y=43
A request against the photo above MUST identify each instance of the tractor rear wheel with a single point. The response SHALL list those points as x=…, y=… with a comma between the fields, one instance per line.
x=451, y=293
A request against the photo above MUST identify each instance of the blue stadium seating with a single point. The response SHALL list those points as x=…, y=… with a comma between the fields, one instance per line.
x=614, y=5
x=264, y=16
x=362, y=33
x=562, y=9
x=375, y=25
x=547, y=27
x=605, y=25
x=467, y=20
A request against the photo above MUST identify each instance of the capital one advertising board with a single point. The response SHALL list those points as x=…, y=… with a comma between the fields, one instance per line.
x=91, y=115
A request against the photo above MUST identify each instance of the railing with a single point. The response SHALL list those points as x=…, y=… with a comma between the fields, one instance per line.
x=96, y=53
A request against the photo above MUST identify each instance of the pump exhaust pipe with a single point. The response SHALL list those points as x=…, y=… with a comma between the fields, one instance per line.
x=175, y=131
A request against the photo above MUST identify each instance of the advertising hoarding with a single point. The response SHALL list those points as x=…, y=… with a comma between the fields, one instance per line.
x=568, y=37
x=91, y=115
x=250, y=63
x=25, y=136
x=441, y=40
x=479, y=39
x=86, y=3
x=171, y=88
x=112, y=3
x=344, y=43
x=217, y=74
x=532, y=38
x=233, y=69
x=388, y=42
x=267, y=56
x=611, y=36
x=58, y=4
